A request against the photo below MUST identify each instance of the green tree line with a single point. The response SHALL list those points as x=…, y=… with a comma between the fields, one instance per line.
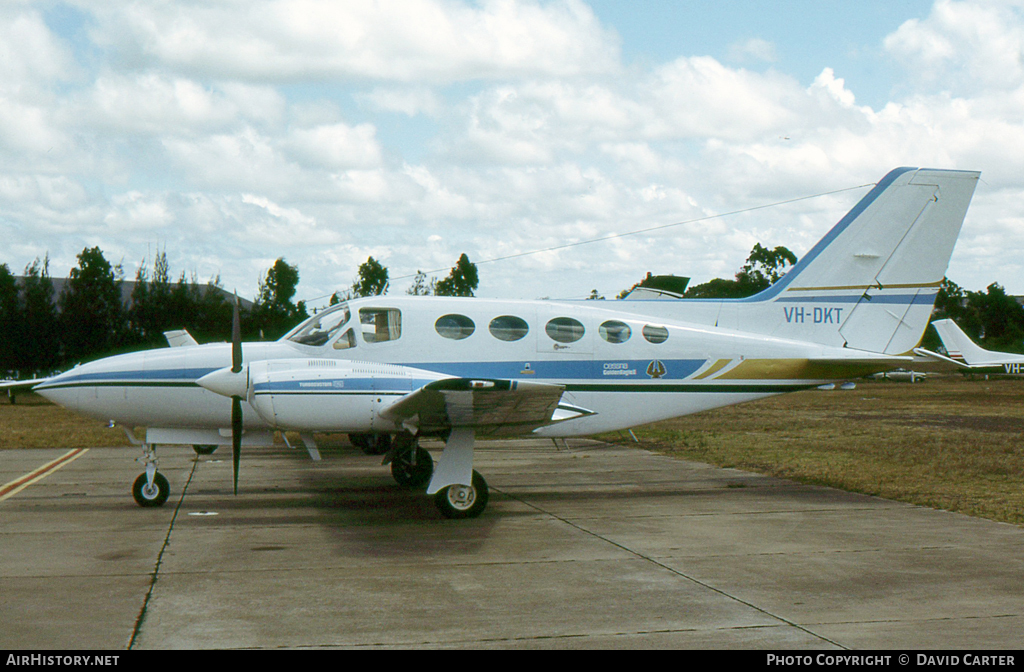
x=42, y=331
x=992, y=318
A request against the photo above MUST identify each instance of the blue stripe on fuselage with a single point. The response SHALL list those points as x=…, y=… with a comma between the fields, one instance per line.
x=548, y=371
x=600, y=369
x=131, y=377
x=898, y=299
x=341, y=386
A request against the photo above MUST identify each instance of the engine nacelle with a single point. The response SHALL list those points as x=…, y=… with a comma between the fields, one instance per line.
x=329, y=395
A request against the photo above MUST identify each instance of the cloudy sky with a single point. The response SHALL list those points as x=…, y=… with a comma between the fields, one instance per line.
x=230, y=133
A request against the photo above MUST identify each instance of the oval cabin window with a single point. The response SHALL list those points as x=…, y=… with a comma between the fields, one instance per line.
x=508, y=328
x=455, y=327
x=655, y=334
x=565, y=330
x=614, y=331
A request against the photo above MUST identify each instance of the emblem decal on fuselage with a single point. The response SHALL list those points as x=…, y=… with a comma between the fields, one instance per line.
x=656, y=369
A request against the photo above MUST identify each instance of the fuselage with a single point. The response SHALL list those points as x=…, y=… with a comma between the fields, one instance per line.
x=626, y=367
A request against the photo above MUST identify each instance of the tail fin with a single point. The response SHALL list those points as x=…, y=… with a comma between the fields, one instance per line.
x=958, y=345
x=961, y=349
x=871, y=282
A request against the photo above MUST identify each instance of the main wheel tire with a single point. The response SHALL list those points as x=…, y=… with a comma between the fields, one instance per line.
x=371, y=442
x=410, y=475
x=207, y=449
x=461, y=501
x=155, y=495
x=361, y=440
x=378, y=444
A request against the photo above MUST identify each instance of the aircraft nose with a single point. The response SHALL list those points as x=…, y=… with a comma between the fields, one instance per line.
x=227, y=382
x=59, y=392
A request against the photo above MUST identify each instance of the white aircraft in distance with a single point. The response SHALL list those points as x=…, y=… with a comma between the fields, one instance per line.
x=966, y=354
x=462, y=369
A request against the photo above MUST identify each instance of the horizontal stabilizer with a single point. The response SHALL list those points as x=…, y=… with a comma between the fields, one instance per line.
x=935, y=358
x=179, y=338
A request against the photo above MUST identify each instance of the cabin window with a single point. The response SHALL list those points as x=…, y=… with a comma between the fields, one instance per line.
x=614, y=331
x=380, y=324
x=565, y=329
x=655, y=334
x=455, y=327
x=347, y=340
x=320, y=328
x=508, y=328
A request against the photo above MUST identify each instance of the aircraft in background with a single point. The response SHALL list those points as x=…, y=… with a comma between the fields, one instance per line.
x=463, y=369
x=966, y=354
x=13, y=387
x=901, y=376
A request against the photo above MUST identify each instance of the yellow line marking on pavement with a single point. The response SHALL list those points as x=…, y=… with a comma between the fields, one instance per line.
x=17, y=485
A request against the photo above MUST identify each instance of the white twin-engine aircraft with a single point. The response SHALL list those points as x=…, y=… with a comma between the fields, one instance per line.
x=462, y=369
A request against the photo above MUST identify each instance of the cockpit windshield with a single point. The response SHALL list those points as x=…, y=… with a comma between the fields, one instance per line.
x=320, y=328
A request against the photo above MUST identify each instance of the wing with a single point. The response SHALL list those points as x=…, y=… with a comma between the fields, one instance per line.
x=14, y=387
x=21, y=384
x=489, y=407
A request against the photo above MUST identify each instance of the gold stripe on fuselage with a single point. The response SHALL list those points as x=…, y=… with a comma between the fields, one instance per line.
x=798, y=369
x=715, y=368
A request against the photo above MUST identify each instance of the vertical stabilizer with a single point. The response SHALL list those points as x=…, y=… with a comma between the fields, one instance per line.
x=961, y=349
x=957, y=344
x=871, y=282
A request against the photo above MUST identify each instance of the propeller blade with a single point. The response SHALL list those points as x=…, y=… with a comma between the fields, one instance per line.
x=236, y=340
x=236, y=402
x=236, y=436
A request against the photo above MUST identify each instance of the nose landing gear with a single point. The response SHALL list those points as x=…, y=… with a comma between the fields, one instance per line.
x=151, y=494
x=151, y=487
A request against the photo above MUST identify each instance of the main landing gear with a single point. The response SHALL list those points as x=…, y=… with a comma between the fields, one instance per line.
x=413, y=467
x=463, y=501
x=372, y=443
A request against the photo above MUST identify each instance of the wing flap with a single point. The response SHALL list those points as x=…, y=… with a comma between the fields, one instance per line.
x=489, y=407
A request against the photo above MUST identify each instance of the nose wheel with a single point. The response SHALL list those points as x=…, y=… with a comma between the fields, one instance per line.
x=148, y=494
x=151, y=487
